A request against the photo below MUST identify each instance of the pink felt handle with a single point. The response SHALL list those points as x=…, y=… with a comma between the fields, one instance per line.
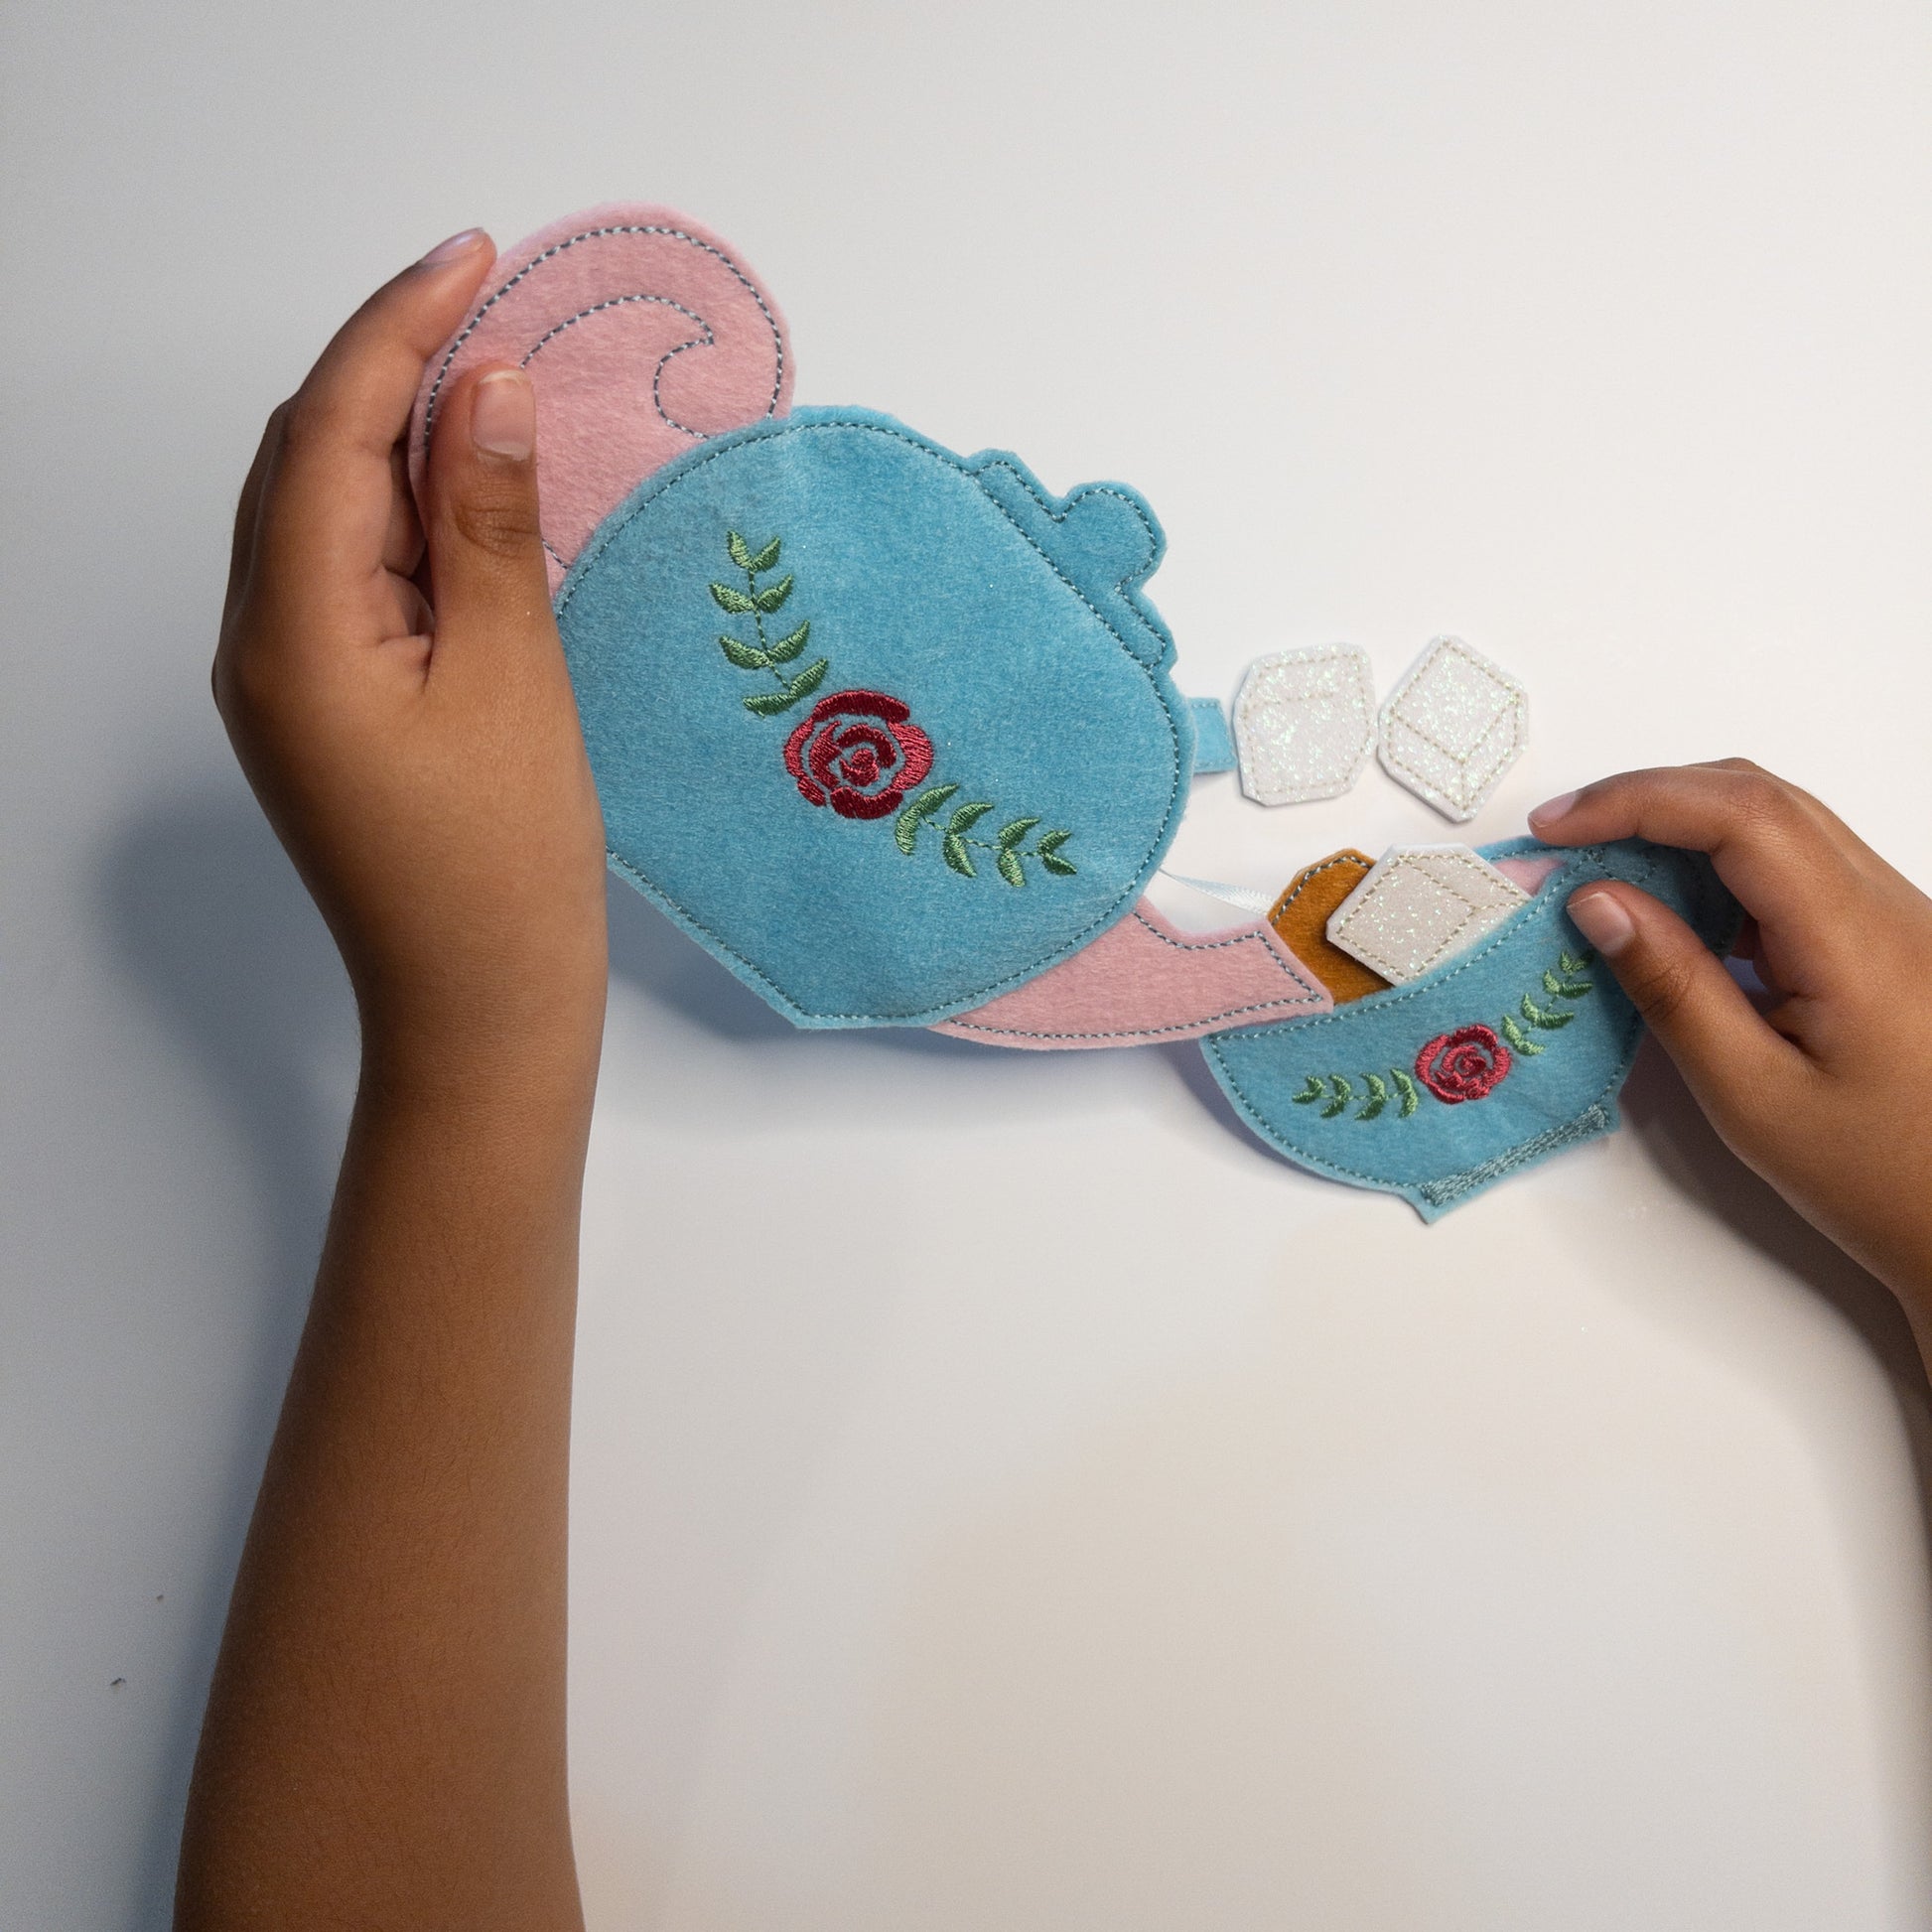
x=643, y=333
x=1145, y=979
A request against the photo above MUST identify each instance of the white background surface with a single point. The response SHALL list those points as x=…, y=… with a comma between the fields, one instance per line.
x=1004, y=1495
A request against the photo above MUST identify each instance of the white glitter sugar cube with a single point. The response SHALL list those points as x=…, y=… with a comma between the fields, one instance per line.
x=1453, y=726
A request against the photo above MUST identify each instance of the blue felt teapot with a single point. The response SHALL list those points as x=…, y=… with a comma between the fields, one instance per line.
x=893, y=734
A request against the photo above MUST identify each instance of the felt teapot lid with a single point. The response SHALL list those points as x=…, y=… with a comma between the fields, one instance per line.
x=888, y=731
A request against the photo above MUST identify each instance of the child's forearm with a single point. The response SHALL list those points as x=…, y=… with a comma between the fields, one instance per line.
x=386, y=1734
x=385, y=1743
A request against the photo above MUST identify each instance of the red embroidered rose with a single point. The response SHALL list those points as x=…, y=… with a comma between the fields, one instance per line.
x=1462, y=1065
x=858, y=753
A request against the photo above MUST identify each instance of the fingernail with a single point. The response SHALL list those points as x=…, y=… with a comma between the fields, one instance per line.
x=504, y=415
x=448, y=251
x=1551, y=808
x=1599, y=916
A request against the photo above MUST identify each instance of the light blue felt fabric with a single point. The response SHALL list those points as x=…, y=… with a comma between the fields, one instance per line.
x=1008, y=621
x=1441, y=1153
x=1213, y=740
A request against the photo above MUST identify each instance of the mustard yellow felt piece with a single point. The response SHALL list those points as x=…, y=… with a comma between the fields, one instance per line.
x=1300, y=920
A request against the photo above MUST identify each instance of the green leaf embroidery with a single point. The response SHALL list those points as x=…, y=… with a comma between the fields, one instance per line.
x=1406, y=1086
x=788, y=647
x=810, y=678
x=929, y=802
x=1009, y=848
x=1344, y=1093
x=1539, y=1016
x=1518, y=1038
x=906, y=828
x=1565, y=989
x=1310, y=1093
x=1378, y=1096
x=768, y=704
x=745, y=657
x=1572, y=964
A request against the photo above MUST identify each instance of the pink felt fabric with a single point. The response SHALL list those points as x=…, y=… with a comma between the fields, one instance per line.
x=643, y=333
x=1530, y=871
x=1145, y=979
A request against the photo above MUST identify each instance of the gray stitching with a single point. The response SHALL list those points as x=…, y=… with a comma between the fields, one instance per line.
x=614, y=526
x=1246, y=700
x=1452, y=1187
x=1513, y=705
x=1303, y=1157
x=704, y=340
x=1307, y=873
x=1125, y=1033
x=1441, y=951
x=1307, y=996
x=591, y=234
x=1418, y=989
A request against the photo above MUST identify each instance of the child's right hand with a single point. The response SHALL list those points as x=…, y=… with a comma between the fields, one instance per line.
x=1827, y=1094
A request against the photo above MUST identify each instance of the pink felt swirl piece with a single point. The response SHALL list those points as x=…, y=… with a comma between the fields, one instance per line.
x=643, y=333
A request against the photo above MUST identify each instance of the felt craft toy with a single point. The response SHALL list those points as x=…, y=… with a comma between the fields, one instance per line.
x=1453, y=728
x=1304, y=724
x=893, y=734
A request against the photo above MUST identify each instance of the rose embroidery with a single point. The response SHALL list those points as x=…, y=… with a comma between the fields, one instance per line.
x=1464, y=1065
x=859, y=752
x=1457, y=1066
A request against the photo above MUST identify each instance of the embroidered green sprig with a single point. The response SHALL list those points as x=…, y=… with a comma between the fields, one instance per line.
x=1378, y=1089
x=1334, y=1093
x=1008, y=844
x=769, y=652
x=847, y=792
x=1567, y=983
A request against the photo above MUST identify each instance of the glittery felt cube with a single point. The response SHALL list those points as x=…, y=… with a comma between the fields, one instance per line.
x=1419, y=906
x=1304, y=724
x=1453, y=726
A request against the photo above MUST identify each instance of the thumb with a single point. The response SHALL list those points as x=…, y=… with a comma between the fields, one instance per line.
x=1698, y=1012
x=486, y=571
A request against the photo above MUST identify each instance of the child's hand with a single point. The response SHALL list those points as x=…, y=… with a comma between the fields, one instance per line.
x=399, y=699
x=1827, y=1095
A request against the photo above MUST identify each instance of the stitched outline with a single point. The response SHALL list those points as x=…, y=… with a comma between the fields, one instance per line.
x=659, y=483
x=1129, y=587
x=1441, y=952
x=1593, y=1120
x=1520, y=1045
x=1245, y=701
x=1579, y=856
x=592, y=235
x=1309, y=995
x=1307, y=873
x=1515, y=707
x=707, y=340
